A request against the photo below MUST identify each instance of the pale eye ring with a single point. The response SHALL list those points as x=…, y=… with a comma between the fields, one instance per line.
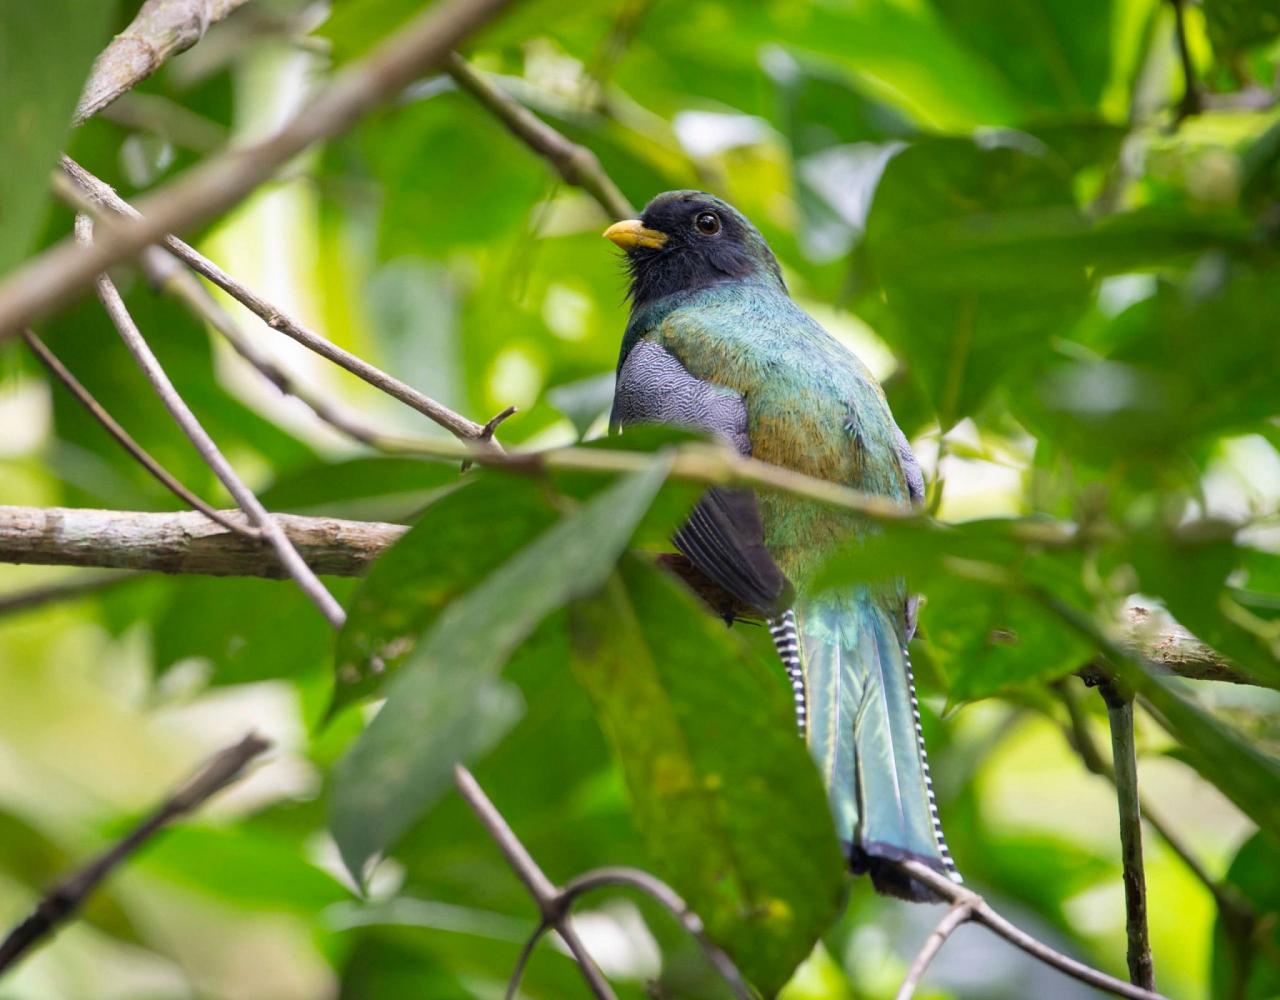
x=707, y=223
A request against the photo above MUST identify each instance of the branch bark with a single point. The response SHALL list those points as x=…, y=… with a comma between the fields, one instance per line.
x=161, y=30
x=578, y=165
x=545, y=894
x=465, y=430
x=53, y=278
x=65, y=898
x=205, y=445
x=185, y=542
x=981, y=912
x=1124, y=755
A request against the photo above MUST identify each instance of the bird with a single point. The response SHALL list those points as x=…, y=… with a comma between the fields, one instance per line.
x=715, y=343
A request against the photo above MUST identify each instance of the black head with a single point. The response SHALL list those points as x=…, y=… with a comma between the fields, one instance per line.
x=687, y=240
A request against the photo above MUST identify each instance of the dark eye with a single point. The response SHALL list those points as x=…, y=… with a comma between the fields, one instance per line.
x=707, y=223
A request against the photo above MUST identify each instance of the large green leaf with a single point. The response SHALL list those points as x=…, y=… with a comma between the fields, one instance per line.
x=45, y=53
x=970, y=303
x=724, y=794
x=446, y=704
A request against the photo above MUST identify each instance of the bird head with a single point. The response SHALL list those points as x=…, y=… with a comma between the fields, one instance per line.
x=685, y=240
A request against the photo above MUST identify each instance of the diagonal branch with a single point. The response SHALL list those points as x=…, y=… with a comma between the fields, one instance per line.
x=65, y=898
x=575, y=163
x=546, y=895
x=204, y=444
x=171, y=277
x=125, y=439
x=981, y=912
x=161, y=29
x=462, y=428
x=958, y=914
x=53, y=278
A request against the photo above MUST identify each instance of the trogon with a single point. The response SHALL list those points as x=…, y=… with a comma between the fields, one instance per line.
x=715, y=343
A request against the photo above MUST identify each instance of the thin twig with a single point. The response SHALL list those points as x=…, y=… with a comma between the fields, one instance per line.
x=52, y=279
x=957, y=915
x=578, y=165
x=166, y=273
x=989, y=918
x=544, y=893
x=656, y=889
x=204, y=444
x=125, y=440
x=458, y=425
x=62, y=590
x=65, y=898
x=161, y=29
x=1125, y=768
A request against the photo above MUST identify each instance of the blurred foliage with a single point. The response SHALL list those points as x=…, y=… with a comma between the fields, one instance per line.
x=1071, y=296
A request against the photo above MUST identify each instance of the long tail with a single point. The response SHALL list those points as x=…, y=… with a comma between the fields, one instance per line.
x=856, y=707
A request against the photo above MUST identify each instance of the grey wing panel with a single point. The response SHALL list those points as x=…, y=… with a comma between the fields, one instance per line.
x=723, y=536
x=654, y=388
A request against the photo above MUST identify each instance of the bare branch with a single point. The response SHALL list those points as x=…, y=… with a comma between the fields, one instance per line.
x=1234, y=907
x=62, y=590
x=52, y=279
x=166, y=273
x=184, y=542
x=957, y=915
x=204, y=444
x=64, y=899
x=546, y=895
x=277, y=319
x=125, y=440
x=1125, y=768
x=982, y=912
x=576, y=164
x=162, y=29
x=656, y=889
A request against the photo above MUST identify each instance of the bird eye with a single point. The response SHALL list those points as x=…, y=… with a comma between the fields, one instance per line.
x=707, y=223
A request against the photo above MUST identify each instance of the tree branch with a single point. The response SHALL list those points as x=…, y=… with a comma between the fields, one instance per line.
x=185, y=542
x=981, y=912
x=1191, y=103
x=204, y=444
x=656, y=889
x=162, y=29
x=125, y=440
x=546, y=895
x=1124, y=755
x=65, y=898
x=578, y=165
x=167, y=274
x=465, y=430
x=52, y=279
x=957, y=915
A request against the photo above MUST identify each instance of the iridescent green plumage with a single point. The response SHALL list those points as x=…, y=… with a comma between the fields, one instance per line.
x=809, y=404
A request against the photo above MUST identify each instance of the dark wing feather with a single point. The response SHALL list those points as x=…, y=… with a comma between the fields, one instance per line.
x=723, y=537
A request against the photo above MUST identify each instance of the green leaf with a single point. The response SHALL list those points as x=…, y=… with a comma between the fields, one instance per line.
x=45, y=53
x=1239, y=969
x=949, y=237
x=445, y=704
x=460, y=539
x=724, y=794
x=1247, y=775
